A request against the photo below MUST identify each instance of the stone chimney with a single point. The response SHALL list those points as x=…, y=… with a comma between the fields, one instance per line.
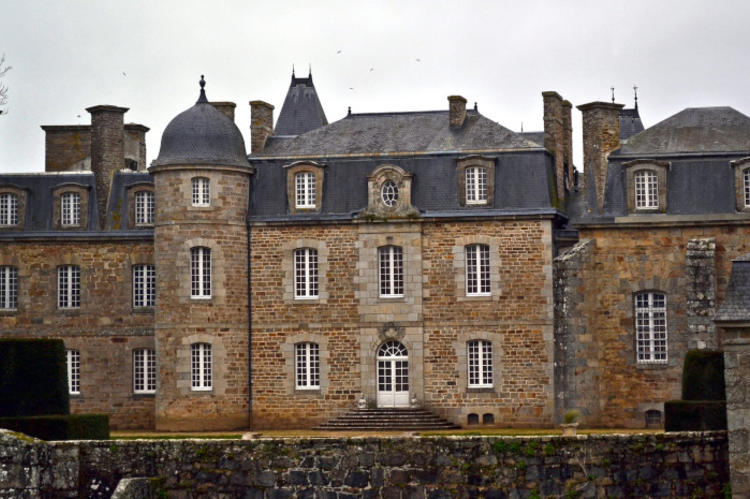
x=567, y=125
x=457, y=108
x=554, y=137
x=261, y=125
x=107, y=151
x=601, y=136
x=225, y=108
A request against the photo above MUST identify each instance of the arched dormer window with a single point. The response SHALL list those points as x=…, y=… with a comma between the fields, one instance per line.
x=646, y=186
x=304, y=186
x=476, y=181
x=742, y=183
x=389, y=193
x=646, y=190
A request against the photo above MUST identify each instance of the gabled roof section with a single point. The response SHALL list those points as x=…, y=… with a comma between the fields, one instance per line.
x=693, y=130
x=396, y=133
x=301, y=111
x=736, y=305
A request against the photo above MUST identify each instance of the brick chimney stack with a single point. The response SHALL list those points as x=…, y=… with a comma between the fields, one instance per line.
x=261, y=125
x=107, y=151
x=457, y=108
x=225, y=108
x=601, y=136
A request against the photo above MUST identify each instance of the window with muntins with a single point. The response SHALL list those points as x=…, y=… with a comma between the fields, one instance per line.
x=200, y=367
x=477, y=270
x=200, y=271
x=305, y=273
x=70, y=213
x=646, y=190
x=73, y=364
x=8, y=288
x=389, y=193
x=8, y=209
x=69, y=286
x=305, y=189
x=746, y=185
x=201, y=194
x=307, y=362
x=144, y=286
x=651, y=327
x=144, y=208
x=479, y=354
x=144, y=370
x=476, y=185
x=391, y=264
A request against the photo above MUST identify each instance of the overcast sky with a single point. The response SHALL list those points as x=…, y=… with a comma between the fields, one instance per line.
x=373, y=56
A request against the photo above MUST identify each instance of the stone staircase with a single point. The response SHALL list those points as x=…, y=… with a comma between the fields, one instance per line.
x=387, y=419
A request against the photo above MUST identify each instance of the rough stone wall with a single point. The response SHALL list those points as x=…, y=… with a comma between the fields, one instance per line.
x=676, y=261
x=554, y=136
x=105, y=340
x=222, y=319
x=107, y=150
x=601, y=135
x=671, y=465
x=736, y=374
x=67, y=148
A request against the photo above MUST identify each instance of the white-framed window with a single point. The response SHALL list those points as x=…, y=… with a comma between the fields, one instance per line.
x=391, y=264
x=307, y=366
x=144, y=370
x=200, y=367
x=70, y=212
x=304, y=185
x=8, y=209
x=479, y=353
x=477, y=270
x=69, y=286
x=201, y=193
x=476, y=185
x=73, y=364
x=746, y=186
x=8, y=288
x=200, y=272
x=646, y=189
x=144, y=208
x=651, y=327
x=389, y=193
x=144, y=285
x=305, y=273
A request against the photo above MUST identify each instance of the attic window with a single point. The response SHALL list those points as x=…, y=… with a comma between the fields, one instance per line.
x=476, y=181
x=131, y=164
x=741, y=169
x=389, y=193
x=304, y=186
x=646, y=186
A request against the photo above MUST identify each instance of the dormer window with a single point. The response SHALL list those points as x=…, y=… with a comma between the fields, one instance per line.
x=201, y=193
x=646, y=190
x=304, y=186
x=741, y=169
x=70, y=209
x=144, y=208
x=305, y=189
x=389, y=193
x=8, y=208
x=746, y=186
x=476, y=185
x=646, y=186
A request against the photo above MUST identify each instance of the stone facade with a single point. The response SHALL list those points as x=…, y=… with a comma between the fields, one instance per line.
x=671, y=465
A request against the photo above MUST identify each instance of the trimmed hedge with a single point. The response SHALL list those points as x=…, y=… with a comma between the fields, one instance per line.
x=695, y=415
x=703, y=375
x=33, y=377
x=61, y=427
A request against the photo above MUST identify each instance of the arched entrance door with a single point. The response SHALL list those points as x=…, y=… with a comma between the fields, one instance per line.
x=393, y=375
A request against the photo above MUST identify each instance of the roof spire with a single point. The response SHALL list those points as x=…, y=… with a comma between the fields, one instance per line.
x=292, y=71
x=349, y=111
x=613, y=94
x=475, y=106
x=635, y=94
x=309, y=70
x=202, y=99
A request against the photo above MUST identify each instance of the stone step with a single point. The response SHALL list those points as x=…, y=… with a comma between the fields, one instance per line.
x=387, y=419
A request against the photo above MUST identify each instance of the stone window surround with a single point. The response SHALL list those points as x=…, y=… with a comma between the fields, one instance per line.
x=145, y=377
x=740, y=166
x=660, y=168
x=24, y=300
x=21, y=196
x=139, y=257
x=134, y=189
x=475, y=161
x=654, y=285
x=666, y=329
x=73, y=355
x=461, y=346
x=290, y=368
x=218, y=271
x=375, y=204
x=368, y=280
x=9, y=296
x=143, y=308
x=287, y=265
x=183, y=369
x=57, y=193
x=69, y=296
x=459, y=265
x=292, y=170
x=203, y=182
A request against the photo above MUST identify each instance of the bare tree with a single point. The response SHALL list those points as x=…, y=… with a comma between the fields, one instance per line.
x=4, y=68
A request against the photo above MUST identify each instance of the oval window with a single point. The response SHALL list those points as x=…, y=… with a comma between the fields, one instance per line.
x=389, y=193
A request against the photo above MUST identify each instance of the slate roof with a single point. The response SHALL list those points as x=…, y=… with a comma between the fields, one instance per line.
x=202, y=135
x=394, y=133
x=736, y=304
x=535, y=137
x=301, y=111
x=695, y=129
x=630, y=123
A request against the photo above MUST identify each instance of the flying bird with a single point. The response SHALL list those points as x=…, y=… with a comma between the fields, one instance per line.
x=123, y=73
x=338, y=51
x=372, y=69
x=419, y=60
